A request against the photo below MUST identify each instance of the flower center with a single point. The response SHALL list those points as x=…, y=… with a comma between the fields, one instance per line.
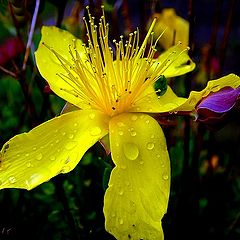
x=110, y=77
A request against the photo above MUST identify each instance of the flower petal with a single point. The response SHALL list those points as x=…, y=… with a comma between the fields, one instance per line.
x=178, y=60
x=50, y=67
x=53, y=147
x=138, y=192
x=213, y=86
x=170, y=102
x=221, y=101
x=149, y=102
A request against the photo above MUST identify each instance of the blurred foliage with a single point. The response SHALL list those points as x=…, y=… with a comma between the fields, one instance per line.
x=205, y=194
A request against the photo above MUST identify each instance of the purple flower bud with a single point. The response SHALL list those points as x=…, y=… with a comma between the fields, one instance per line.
x=215, y=106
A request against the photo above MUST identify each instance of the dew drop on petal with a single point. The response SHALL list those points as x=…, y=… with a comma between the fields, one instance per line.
x=12, y=179
x=120, y=133
x=29, y=164
x=34, y=148
x=75, y=124
x=57, y=141
x=150, y=145
x=147, y=121
x=133, y=133
x=121, y=192
x=121, y=221
x=130, y=151
x=95, y=131
x=141, y=162
x=70, y=136
x=63, y=133
x=134, y=117
x=120, y=124
x=91, y=116
x=165, y=177
x=39, y=157
x=27, y=155
x=52, y=158
x=70, y=145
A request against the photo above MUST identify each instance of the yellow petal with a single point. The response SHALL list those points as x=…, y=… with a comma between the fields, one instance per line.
x=174, y=27
x=138, y=192
x=49, y=66
x=178, y=63
x=189, y=104
x=53, y=147
x=170, y=102
x=150, y=102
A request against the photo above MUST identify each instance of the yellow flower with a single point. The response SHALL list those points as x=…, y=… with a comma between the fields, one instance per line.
x=174, y=27
x=115, y=91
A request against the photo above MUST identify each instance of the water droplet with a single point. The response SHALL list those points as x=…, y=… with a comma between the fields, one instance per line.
x=131, y=151
x=117, y=144
x=52, y=158
x=91, y=116
x=150, y=145
x=165, y=177
x=121, y=192
x=138, y=108
x=39, y=157
x=141, y=162
x=34, y=180
x=134, y=117
x=95, y=131
x=65, y=169
x=120, y=124
x=70, y=136
x=57, y=141
x=34, y=148
x=12, y=179
x=63, y=133
x=147, y=121
x=121, y=221
x=133, y=133
x=152, y=136
x=70, y=145
x=27, y=154
x=150, y=109
x=120, y=133
x=113, y=215
x=123, y=166
x=29, y=164
x=75, y=124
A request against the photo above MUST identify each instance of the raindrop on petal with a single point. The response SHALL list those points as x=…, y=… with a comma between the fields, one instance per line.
x=134, y=117
x=92, y=116
x=150, y=145
x=120, y=133
x=70, y=136
x=39, y=157
x=70, y=145
x=95, y=131
x=12, y=179
x=165, y=177
x=131, y=151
